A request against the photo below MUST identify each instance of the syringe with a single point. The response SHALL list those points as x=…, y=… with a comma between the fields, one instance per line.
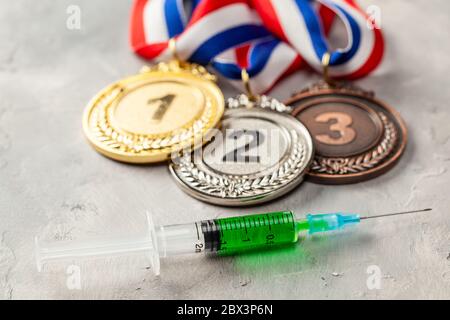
x=223, y=236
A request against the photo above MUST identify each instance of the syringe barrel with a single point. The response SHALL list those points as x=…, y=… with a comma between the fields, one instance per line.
x=228, y=235
x=180, y=239
x=233, y=235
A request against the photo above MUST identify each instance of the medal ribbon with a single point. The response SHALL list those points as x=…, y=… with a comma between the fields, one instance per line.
x=267, y=60
x=208, y=29
x=299, y=23
x=229, y=35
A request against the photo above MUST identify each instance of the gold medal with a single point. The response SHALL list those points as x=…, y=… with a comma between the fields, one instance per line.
x=146, y=117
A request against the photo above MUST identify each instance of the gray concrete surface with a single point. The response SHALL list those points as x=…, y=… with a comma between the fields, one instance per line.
x=54, y=185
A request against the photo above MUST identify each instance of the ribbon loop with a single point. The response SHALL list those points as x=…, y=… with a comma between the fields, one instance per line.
x=305, y=23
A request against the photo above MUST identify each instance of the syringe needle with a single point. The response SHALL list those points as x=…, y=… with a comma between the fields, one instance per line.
x=394, y=214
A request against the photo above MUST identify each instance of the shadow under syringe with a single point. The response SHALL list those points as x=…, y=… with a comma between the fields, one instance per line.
x=308, y=253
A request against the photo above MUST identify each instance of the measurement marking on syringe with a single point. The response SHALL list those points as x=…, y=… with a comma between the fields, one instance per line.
x=198, y=234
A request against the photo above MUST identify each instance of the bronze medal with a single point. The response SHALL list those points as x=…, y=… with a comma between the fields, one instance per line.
x=356, y=136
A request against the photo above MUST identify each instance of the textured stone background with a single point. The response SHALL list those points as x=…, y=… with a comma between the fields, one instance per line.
x=54, y=185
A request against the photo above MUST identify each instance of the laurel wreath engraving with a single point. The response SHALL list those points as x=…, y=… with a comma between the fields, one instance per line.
x=363, y=162
x=241, y=186
x=140, y=143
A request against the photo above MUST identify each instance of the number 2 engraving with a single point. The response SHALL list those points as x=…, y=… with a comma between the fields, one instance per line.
x=239, y=154
x=164, y=104
x=342, y=125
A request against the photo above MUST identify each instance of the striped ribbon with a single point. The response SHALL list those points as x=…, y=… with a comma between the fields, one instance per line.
x=304, y=24
x=208, y=29
x=230, y=35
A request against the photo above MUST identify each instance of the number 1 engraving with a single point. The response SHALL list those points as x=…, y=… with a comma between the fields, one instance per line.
x=164, y=104
x=342, y=125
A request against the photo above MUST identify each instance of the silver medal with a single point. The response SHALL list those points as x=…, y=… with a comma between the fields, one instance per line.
x=259, y=154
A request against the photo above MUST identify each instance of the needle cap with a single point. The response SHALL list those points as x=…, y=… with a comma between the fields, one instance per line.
x=330, y=222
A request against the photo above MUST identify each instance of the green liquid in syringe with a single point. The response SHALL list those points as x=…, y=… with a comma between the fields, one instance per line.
x=238, y=234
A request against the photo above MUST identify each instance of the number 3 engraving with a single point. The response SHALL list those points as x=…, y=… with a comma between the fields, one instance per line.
x=342, y=125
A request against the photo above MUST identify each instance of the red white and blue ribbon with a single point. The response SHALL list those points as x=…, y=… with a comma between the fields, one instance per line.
x=303, y=24
x=266, y=60
x=210, y=28
x=229, y=35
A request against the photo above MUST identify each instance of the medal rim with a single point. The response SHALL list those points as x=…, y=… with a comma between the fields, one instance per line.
x=163, y=154
x=350, y=178
x=252, y=199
